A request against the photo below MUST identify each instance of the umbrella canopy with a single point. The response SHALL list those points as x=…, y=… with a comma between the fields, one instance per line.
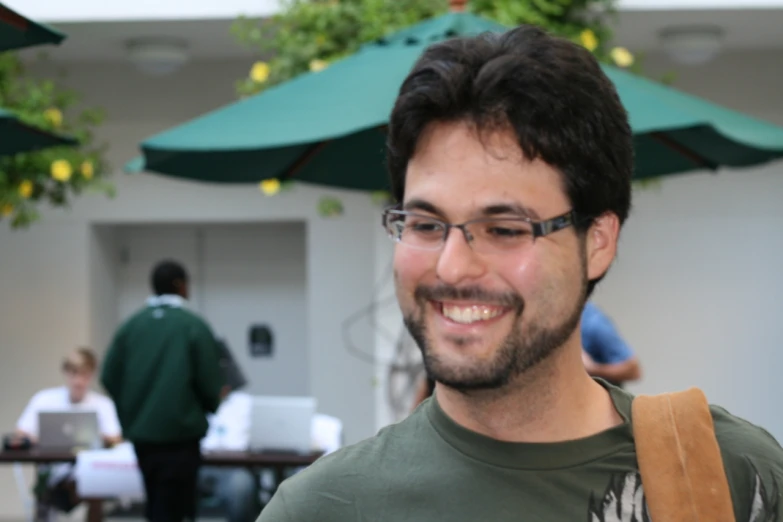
x=17, y=32
x=328, y=127
x=16, y=136
x=675, y=132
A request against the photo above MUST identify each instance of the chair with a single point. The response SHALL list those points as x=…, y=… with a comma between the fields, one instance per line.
x=23, y=488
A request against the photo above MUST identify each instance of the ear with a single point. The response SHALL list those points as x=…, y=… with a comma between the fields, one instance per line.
x=601, y=244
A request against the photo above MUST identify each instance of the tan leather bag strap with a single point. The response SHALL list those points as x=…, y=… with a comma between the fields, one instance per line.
x=679, y=459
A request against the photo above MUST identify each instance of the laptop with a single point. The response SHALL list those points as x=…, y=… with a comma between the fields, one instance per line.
x=68, y=431
x=282, y=424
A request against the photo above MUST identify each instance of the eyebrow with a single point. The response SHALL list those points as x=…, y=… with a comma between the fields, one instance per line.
x=424, y=206
x=516, y=209
x=511, y=208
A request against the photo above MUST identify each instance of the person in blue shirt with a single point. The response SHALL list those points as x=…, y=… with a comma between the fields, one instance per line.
x=606, y=354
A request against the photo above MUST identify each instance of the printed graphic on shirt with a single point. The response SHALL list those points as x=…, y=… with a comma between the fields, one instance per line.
x=765, y=506
x=624, y=501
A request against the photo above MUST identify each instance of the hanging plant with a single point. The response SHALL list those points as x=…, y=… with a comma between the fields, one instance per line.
x=55, y=175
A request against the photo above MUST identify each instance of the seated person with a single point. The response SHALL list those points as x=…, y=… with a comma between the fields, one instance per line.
x=234, y=488
x=606, y=354
x=79, y=371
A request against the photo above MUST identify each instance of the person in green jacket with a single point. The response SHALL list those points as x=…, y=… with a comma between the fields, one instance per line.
x=162, y=370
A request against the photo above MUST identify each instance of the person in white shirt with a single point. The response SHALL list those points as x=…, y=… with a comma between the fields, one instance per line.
x=79, y=371
x=229, y=430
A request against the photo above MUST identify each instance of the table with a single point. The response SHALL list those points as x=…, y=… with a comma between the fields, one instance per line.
x=279, y=462
x=234, y=459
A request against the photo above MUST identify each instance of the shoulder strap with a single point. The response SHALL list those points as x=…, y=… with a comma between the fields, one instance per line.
x=679, y=459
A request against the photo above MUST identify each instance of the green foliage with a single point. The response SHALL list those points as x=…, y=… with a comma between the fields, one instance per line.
x=306, y=31
x=567, y=18
x=330, y=207
x=308, y=34
x=53, y=175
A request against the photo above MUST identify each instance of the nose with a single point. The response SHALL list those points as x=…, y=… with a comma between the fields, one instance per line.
x=457, y=261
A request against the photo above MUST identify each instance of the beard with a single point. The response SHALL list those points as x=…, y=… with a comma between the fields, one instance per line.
x=518, y=354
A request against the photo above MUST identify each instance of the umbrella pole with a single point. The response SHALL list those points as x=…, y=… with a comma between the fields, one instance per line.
x=314, y=150
x=13, y=19
x=458, y=6
x=684, y=151
x=303, y=160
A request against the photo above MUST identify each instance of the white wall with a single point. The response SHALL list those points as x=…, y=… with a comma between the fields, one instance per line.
x=257, y=274
x=102, y=280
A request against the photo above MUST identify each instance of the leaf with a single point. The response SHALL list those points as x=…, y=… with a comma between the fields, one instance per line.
x=330, y=207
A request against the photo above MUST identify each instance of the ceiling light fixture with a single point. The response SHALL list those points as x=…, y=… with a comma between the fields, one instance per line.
x=158, y=56
x=692, y=45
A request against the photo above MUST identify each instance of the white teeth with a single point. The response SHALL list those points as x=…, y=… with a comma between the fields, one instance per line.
x=470, y=314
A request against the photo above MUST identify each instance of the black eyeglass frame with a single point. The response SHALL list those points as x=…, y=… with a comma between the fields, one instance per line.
x=540, y=228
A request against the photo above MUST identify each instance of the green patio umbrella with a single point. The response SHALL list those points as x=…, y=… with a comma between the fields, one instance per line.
x=17, y=32
x=328, y=127
x=17, y=136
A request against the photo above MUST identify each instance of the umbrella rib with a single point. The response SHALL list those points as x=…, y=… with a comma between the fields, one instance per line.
x=303, y=160
x=683, y=150
x=13, y=19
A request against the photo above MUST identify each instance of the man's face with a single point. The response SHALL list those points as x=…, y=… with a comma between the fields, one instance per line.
x=78, y=382
x=482, y=319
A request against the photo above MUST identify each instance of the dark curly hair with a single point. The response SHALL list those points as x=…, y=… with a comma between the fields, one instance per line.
x=551, y=92
x=165, y=277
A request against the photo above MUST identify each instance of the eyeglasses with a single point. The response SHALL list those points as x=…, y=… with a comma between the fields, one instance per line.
x=486, y=235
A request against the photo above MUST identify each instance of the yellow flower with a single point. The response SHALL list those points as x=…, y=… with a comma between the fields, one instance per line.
x=259, y=73
x=87, y=169
x=622, y=57
x=270, y=187
x=54, y=116
x=26, y=189
x=61, y=170
x=318, y=65
x=6, y=210
x=589, y=39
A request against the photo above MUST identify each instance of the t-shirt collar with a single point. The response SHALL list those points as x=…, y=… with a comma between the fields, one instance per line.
x=171, y=300
x=537, y=456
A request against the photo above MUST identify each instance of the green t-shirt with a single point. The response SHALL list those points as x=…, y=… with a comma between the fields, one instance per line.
x=427, y=468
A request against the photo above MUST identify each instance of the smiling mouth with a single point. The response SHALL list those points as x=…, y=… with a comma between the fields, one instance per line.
x=469, y=314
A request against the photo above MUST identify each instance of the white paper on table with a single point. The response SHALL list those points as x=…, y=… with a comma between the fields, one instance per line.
x=109, y=473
